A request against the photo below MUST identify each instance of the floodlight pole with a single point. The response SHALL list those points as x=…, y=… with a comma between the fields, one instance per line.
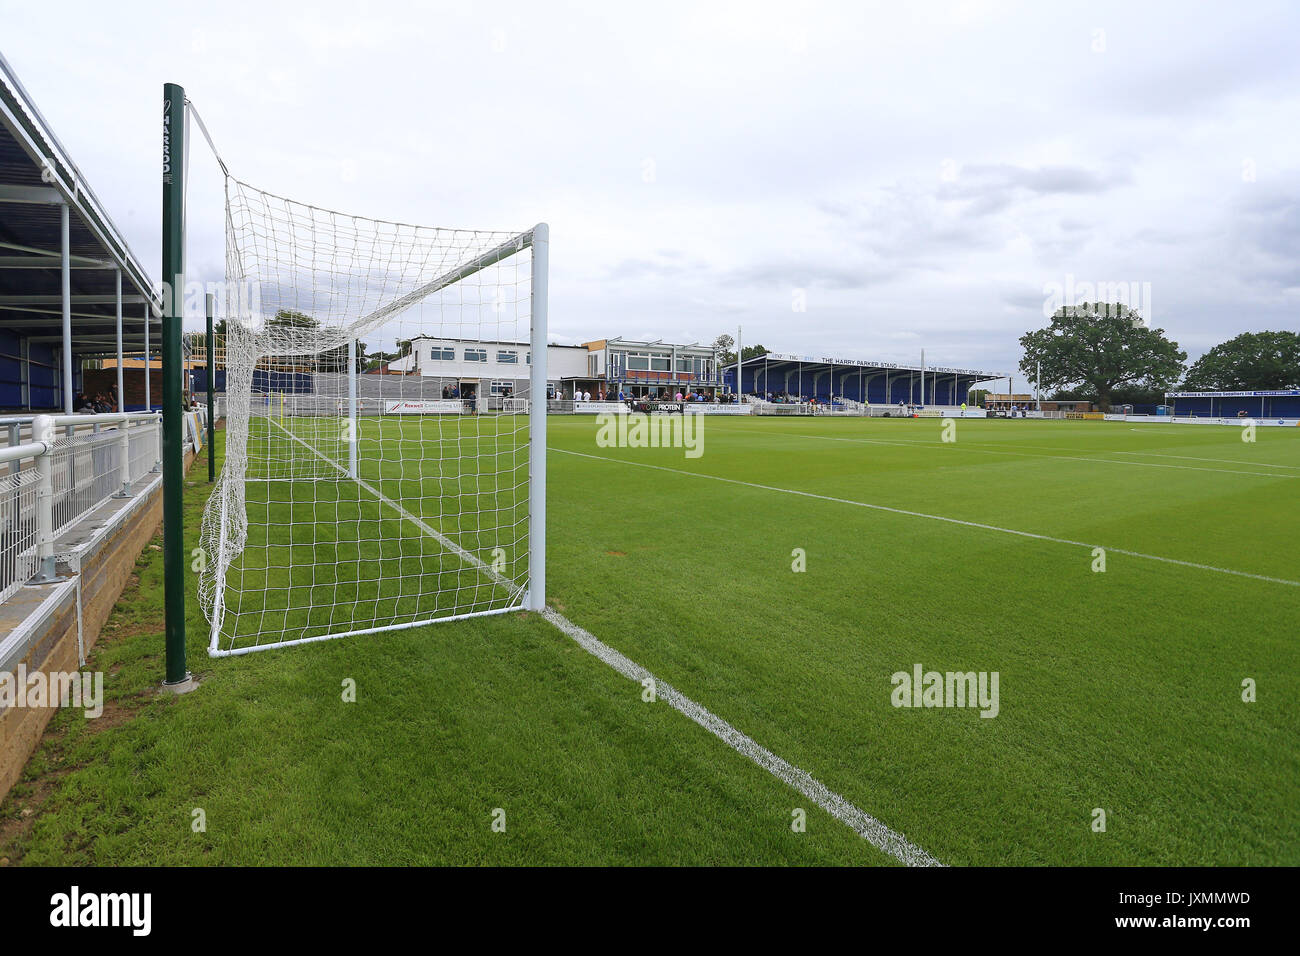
x=536, y=598
x=177, y=678
x=212, y=390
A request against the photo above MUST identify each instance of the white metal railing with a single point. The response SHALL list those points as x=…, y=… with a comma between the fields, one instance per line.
x=54, y=479
x=18, y=536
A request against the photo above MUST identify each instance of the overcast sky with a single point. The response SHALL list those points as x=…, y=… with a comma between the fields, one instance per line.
x=918, y=175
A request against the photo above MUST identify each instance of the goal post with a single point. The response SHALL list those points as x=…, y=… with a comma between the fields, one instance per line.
x=537, y=422
x=176, y=677
x=369, y=483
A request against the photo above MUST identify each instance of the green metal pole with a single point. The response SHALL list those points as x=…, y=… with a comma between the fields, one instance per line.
x=212, y=393
x=173, y=269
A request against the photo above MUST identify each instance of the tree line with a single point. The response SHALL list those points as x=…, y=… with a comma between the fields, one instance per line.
x=1107, y=354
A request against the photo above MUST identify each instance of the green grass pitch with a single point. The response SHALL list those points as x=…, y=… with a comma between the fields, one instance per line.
x=1120, y=690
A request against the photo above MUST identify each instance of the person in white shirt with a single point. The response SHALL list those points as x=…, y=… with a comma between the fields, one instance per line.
x=586, y=396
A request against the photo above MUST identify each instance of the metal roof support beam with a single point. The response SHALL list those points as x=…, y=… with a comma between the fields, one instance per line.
x=52, y=262
x=121, y=393
x=55, y=255
x=41, y=195
x=147, y=316
x=15, y=300
x=97, y=323
x=66, y=243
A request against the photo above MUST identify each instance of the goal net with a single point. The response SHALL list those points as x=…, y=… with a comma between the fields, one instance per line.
x=382, y=468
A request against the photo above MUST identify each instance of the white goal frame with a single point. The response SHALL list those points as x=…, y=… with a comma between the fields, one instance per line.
x=534, y=597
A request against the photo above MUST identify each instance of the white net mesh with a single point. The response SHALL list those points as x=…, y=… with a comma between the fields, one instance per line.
x=376, y=471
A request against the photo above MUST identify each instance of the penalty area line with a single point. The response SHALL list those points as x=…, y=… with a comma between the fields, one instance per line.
x=866, y=826
x=944, y=518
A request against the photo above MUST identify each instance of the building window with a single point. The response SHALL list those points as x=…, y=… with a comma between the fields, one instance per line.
x=441, y=353
x=638, y=361
x=507, y=357
x=659, y=363
x=476, y=355
x=501, y=388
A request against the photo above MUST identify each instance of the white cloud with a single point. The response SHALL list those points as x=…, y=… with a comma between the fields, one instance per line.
x=921, y=171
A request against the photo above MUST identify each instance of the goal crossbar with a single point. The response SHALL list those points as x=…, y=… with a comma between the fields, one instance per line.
x=510, y=247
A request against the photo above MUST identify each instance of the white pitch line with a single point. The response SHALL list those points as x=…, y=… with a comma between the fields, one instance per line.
x=866, y=826
x=917, y=442
x=1099, y=451
x=943, y=518
x=1222, y=461
x=1115, y=451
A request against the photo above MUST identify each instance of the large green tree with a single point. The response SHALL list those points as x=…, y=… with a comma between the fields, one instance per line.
x=290, y=319
x=1252, y=361
x=1100, y=352
x=725, y=346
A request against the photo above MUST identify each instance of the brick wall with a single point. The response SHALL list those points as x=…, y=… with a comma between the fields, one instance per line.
x=104, y=574
x=104, y=380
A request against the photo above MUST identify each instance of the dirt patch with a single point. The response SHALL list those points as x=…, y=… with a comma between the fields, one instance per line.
x=25, y=808
x=617, y=554
x=29, y=795
x=124, y=631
